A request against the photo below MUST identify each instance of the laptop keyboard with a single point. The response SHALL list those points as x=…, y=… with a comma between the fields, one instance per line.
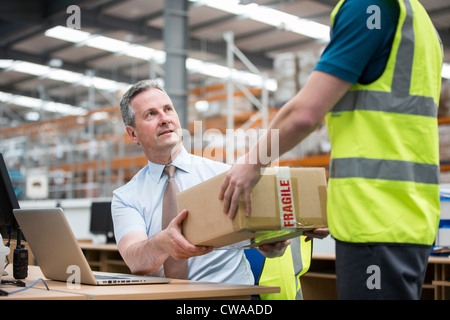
x=106, y=277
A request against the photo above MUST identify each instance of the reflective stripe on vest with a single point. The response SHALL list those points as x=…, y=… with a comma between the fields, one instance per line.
x=285, y=271
x=384, y=169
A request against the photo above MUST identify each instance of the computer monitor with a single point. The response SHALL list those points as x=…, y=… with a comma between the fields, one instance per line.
x=8, y=201
x=101, y=220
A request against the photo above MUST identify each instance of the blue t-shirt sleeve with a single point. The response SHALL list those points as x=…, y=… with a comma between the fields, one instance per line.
x=357, y=53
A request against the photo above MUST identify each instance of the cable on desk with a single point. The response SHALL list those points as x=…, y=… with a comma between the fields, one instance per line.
x=28, y=287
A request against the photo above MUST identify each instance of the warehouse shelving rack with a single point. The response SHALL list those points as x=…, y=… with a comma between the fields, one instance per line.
x=91, y=155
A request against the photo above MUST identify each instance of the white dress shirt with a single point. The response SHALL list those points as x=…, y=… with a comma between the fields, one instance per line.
x=138, y=206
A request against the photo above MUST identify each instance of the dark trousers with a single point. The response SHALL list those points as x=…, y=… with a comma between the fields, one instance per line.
x=380, y=271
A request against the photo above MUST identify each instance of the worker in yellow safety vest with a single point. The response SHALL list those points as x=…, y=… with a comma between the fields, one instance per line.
x=285, y=271
x=378, y=85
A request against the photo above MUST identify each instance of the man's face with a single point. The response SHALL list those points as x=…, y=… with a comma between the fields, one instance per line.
x=157, y=127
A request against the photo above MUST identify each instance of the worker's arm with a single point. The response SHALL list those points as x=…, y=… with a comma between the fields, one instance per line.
x=296, y=119
x=145, y=255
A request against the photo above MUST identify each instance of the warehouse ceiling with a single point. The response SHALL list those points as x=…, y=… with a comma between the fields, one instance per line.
x=39, y=63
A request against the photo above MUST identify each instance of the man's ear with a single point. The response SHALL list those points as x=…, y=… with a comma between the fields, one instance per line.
x=132, y=134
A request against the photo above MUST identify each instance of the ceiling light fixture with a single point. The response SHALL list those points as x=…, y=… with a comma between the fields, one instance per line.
x=144, y=53
x=37, y=104
x=63, y=75
x=270, y=16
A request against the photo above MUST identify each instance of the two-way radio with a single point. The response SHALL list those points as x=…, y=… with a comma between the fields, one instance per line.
x=20, y=258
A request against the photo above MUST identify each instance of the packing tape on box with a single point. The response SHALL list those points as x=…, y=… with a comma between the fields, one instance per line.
x=287, y=207
x=287, y=196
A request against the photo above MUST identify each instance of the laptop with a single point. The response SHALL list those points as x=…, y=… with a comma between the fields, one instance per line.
x=57, y=251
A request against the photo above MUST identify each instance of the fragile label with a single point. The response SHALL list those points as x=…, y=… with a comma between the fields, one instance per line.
x=285, y=198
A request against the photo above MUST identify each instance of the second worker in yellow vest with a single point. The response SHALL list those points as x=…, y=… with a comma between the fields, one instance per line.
x=378, y=85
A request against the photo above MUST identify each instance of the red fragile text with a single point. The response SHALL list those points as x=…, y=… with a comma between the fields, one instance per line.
x=286, y=208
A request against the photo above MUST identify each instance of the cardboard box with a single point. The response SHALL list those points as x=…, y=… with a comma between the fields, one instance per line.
x=285, y=202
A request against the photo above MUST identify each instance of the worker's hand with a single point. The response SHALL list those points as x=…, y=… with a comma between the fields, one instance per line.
x=241, y=178
x=273, y=250
x=176, y=244
x=318, y=233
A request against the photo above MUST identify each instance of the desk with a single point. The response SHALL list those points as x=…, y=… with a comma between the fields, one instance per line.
x=37, y=292
x=177, y=289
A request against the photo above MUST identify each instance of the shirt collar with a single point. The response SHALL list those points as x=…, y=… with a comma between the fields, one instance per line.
x=182, y=161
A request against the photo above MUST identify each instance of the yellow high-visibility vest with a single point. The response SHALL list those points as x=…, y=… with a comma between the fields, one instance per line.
x=384, y=169
x=285, y=271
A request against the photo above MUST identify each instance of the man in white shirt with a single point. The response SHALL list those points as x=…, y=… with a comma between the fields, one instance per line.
x=152, y=122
